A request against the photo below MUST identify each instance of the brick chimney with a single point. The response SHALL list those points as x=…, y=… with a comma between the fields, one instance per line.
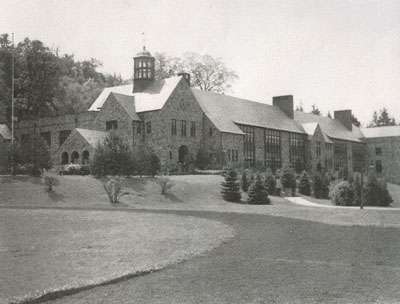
x=345, y=118
x=285, y=103
x=186, y=76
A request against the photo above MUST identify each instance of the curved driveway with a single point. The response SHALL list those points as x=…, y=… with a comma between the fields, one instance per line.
x=273, y=260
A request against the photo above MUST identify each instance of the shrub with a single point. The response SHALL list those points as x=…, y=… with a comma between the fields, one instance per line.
x=376, y=192
x=165, y=184
x=270, y=182
x=75, y=169
x=245, y=182
x=50, y=181
x=343, y=173
x=203, y=159
x=355, y=183
x=320, y=186
x=230, y=187
x=288, y=178
x=258, y=194
x=305, y=184
x=342, y=194
x=114, y=190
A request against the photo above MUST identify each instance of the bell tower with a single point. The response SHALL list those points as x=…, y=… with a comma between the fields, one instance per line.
x=143, y=70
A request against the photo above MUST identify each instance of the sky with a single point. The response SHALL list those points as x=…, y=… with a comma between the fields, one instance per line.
x=336, y=54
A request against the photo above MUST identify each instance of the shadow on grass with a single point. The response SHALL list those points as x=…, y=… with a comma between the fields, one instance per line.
x=56, y=197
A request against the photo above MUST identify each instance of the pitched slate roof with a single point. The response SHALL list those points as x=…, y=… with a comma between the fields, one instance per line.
x=93, y=137
x=310, y=129
x=5, y=132
x=388, y=131
x=227, y=111
x=127, y=102
x=151, y=99
x=330, y=127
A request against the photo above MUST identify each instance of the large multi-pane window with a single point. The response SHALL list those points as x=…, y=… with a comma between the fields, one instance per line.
x=173, y=127
x=318, y=148
x=272, y=148
x=297, y=150
x=339, y=155
x=249, y=145
x=358, y=157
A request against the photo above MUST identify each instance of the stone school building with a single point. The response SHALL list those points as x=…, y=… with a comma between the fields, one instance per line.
x=176, y=121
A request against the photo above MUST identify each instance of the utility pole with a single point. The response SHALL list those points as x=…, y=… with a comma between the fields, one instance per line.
x=12, y=105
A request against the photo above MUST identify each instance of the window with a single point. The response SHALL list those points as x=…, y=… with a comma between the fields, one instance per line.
x=75, y=157
x=378, y=166
x=378, y=151
x=193, y=129
x=249, y=145
x=47, y=137
x=64, y=158
x=272, y=149
x=328, y=146
x=139, y=127
x=63, y=135
x=148, y=127
x=229, y=155
x=328, y=163
x=339, y=155
x=318, y=148
x=358, y=157
x=85, y=157
x=183, y=127
x=173, y=127
x=111, y=125
x=170, y=154
x=210, y=132
x=297, y=154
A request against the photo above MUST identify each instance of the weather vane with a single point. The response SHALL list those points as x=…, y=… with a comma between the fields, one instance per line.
x=144, y=41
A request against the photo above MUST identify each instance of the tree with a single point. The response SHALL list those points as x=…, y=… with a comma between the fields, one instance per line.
x=202, y=160
x=230, y=187
x=258, y=194
x=207, y=73
x=300, y=107
x=288, y=179
x=304, y=184
x=384, y=119
x=329, y=115
x=270, y=182
x=245, y=182
x=148, y=162
x=315, y=110
x=355, y=121
x=112, y=157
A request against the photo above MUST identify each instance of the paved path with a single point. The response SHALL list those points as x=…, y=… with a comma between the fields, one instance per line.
x=273, y=260
x=304, y=202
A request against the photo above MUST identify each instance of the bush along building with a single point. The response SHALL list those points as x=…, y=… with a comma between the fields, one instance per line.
x=177, y=121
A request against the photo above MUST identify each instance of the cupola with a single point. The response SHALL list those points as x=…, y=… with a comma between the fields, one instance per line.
x=143, y=70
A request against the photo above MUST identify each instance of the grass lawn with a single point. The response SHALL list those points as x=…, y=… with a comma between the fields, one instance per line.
x=47, y=250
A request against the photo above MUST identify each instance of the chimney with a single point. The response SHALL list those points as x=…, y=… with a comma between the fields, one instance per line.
x=186, y=76
x=345, y=118
x=285, y=103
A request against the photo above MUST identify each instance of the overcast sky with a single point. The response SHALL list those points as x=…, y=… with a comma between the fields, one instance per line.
x=336, y=54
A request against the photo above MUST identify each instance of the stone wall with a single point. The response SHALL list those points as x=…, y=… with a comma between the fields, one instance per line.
x=390, y=157
x=233, y=142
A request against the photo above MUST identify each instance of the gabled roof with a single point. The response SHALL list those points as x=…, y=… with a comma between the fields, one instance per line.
x=127, y=102
x=311, y=128
x=152, y=98
x=388, y=131
x=330, y=127
x=93, y=137
x=5, y=132
x=227, y=111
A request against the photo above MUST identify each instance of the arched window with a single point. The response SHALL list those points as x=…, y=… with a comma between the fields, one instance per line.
x=74, y=157
x=64, y=158
x=85, y=157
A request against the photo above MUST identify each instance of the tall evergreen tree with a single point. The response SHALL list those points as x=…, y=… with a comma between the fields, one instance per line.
x=258, y=194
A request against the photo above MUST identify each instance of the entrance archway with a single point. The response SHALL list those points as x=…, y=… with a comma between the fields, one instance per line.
x=85, y=157
x=64, y=158
x=183, y=155
x=74, y=157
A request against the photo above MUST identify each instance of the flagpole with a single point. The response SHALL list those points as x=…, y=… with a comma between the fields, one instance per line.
x=12, y=106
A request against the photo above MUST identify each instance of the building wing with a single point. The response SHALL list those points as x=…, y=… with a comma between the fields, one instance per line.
x=226, y=112
x=389, y=131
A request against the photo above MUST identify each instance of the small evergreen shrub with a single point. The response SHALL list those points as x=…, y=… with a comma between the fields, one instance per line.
x=342, y=194
x=258, y=193
x=165, y=184
x=270, y=183
x=320, y=186
x=305, y=184
x=245, y=183
x=230, y=187
x=288, y=179
x=50, y=181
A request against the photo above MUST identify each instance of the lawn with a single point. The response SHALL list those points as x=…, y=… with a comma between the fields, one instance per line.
x=48, y=250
